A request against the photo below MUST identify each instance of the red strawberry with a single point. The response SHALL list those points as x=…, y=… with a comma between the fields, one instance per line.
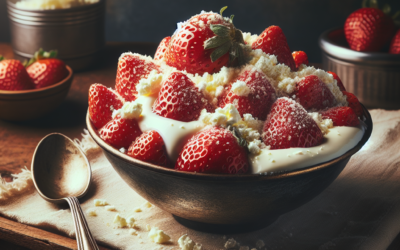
x=273, y=41
x=46, y=72
x=341, y=116
x=150, y=147
x=205, y=43
x=162, y=48
x=258, y=101
x=338, y=81
x=102, y=103
x=289, y=126
x=120, y=132
x=313, y=94
x=180, y=99
x=13, y=76
x=395, y=44
x=300, y=57
x=354, y=103
x=368, y=29
x=214, y=150
x=132, y=68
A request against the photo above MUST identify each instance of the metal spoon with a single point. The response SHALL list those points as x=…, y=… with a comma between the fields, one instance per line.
x=61, y=172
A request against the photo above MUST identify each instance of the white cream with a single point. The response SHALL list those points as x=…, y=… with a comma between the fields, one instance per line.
x=337, y=142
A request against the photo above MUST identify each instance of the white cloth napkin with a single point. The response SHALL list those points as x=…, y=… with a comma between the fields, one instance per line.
x=360, y=210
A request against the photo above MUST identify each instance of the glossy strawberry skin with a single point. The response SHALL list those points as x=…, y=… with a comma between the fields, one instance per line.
x=186, y=51
x=300, y=57
x=273, y=41
x=258, y=102
x=341, y=116
x=132, y=68
x=102, y=102
x=313, y=94
x=395, y=44
x=180, y=99
x=150, y=147
x=162, y=48
x=338, y=81
x=13, y=76
x=46, y=72
x=354, y=103
x=289, y=126
x=120, y=132
x=368, y=29
x=214, y=150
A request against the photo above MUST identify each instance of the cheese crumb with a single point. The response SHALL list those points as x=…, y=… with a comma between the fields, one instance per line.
x=151, y=85
x=323, y=124
x=221, y=117
x=230, y=243
x=91, y=212
x=110, y=208
x=147, y=204
x=131, y=222
x=122, y=150
x=120, y=221
x=185, y=243
x=130, y=110
x=240, y=88
x=100, y=202
x=158, y=236
x=137, y=210
x=133, y=231
x=249, y=38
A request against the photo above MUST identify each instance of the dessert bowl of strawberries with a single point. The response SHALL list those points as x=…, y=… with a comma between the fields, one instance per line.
x=365, y=52
x=224, y=127
x=34, y=89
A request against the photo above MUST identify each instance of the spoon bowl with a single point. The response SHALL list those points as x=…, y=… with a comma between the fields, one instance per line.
x=61, y=173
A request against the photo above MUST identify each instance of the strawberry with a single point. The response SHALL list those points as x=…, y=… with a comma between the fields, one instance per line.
x=313, y=94
x=341, y=116
x=132, y=68
x=206, y=43
x=256, y=97
x=150, y=147
x=338, y=81
x=368, y=29
x=162, y=48
x=395, y=44
x=45, y=70
x=289, y=126
x=120, y=132
x=180, y=99
x=102, y=103
x=300, y=57
x=354, y=104
x=273, y=41
x=214, y=150
x=13, y=76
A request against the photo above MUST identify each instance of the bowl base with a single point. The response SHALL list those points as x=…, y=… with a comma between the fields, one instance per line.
x=225, y=229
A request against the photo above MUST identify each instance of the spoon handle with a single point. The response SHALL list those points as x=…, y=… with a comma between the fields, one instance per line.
x=84, y=237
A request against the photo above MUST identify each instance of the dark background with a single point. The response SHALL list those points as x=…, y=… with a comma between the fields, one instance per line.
x=302, y=21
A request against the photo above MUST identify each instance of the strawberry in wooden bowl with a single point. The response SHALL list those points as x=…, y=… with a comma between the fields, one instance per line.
x=243, y=138
x=28, y=93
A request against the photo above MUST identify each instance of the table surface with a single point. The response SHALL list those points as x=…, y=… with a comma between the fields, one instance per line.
x=19, y=139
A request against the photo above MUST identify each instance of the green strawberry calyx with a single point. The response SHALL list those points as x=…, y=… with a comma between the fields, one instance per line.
x=228, y=39
x=385, y=9
x=1, y=58
x=41, y=54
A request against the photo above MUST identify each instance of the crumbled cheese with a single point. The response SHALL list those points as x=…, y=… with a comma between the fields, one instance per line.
x=52, y=4
x=323, y=124
x=138, y=209
x=221, y=117
x=230, y=243
x=131, y=222
x=240, y=88
x=100, y=202
x=249, y=38
x=120, y=221
x=91, y=212
x=122, y=150
x=185, y=243
x=147, y=204
x=151, y=85
x=130, y=110
x=133, y=231
x=110, y=208
x=21, y=183
x=158, y=236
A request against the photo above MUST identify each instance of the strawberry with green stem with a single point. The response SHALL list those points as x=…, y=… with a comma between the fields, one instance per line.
x=13, y=75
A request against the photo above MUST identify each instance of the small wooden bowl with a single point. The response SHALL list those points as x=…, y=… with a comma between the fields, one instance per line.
x=219, y=199
x=24, y=105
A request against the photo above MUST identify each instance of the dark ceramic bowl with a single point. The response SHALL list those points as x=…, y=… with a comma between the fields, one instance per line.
x=226, y=199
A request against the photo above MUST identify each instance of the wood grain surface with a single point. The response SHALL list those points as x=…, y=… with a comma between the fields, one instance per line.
x=18, y=140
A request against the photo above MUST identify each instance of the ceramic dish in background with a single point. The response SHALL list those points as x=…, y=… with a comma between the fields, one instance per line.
x=23, y=105
x=76, y=33
x=226, y=199
x=374, y=77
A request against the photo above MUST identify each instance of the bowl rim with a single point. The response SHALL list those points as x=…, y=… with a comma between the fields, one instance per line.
x=34, y=91
x=12, y=4
x=218, y=177
x=343, y=53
